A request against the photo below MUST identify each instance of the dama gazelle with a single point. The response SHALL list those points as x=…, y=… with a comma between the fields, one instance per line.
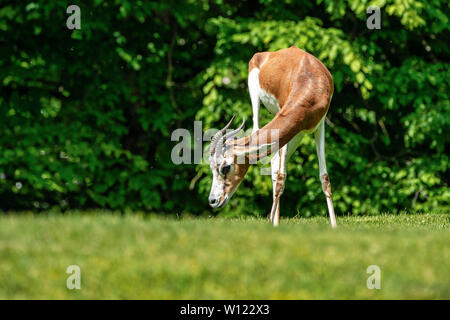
x=297, y=88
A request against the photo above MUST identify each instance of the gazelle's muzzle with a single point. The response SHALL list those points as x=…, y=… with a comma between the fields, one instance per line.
x=218, y=203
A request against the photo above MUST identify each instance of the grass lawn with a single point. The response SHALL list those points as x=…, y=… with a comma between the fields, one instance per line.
x=134, y=257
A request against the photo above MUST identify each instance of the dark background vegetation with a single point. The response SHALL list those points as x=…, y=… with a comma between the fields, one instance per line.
x=86, y=116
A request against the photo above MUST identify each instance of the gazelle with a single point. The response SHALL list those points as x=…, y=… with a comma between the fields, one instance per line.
x=297, y=88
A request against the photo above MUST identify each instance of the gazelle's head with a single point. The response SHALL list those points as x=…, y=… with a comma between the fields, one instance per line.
x=227, y=172
x=229, y=164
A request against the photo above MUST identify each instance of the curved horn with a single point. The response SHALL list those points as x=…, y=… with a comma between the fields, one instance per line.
x=234, y=132
x=218, y=137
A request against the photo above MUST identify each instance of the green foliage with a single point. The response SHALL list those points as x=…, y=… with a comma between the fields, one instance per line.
x=87, y=115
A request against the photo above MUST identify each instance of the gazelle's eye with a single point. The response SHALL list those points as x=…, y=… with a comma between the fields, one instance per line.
x=225, y=169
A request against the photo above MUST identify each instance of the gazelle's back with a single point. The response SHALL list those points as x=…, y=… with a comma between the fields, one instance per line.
x=288, y=71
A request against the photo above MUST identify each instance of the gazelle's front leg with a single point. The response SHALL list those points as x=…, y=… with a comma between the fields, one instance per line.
x=324, y=178
x=278, y=166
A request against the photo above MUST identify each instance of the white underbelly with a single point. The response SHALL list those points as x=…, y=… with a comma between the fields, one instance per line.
x=269, y=101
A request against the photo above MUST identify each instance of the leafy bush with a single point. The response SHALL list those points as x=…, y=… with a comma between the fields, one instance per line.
x=87, y=114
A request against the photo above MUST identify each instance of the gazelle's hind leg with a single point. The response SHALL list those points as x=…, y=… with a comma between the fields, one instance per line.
x=278, y=166
x=324, y=178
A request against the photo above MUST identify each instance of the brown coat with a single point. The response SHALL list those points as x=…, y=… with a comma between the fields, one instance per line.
x=303, y=87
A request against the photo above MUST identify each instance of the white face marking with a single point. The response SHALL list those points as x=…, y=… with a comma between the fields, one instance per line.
x=217, y=197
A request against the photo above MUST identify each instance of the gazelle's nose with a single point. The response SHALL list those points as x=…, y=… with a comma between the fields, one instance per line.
x=213, y=202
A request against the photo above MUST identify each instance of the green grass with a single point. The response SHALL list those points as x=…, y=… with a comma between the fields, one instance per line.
x=132, y=257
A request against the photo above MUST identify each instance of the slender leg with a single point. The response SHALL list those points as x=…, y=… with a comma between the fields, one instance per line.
x=253, y=87
x=274, y=164
x=280, y=180
x=324, y=178
x=278, y=165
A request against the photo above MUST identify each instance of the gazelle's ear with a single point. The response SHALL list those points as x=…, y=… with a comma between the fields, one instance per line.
x=253, y=149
